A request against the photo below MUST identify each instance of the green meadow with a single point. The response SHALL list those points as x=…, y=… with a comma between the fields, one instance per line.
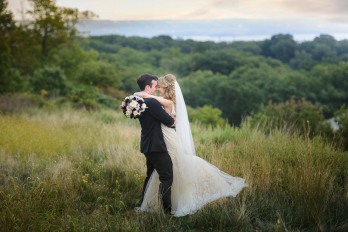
x=76, y=170
x=70, y=162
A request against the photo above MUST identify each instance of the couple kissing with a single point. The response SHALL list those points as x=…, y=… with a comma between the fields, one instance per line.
x=177, y=181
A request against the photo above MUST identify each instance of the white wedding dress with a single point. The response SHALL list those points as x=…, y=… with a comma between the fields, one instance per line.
x=196, y=182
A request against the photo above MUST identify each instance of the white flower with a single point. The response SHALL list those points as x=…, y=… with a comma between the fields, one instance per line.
x=143, y=106
x=128, y=113
x=123, y=104
x=133, y=104
x=135, y=113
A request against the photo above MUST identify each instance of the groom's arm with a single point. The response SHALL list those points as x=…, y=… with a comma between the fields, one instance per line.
x=159, y=113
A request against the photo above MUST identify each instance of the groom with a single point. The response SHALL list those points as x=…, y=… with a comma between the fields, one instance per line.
x=152, y=142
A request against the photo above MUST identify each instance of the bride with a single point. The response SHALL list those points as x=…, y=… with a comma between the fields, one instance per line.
x=196, y=182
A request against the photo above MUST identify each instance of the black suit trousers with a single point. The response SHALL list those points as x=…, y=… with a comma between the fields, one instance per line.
x=162, y=163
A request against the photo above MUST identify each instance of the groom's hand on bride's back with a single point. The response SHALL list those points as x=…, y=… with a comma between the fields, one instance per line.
x=156, y=110
x=174, y=124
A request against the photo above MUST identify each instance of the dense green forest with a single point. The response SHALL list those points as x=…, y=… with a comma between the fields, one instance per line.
x=277, y=82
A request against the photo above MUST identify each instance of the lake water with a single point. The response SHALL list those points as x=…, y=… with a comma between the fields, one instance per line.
x=215, y=30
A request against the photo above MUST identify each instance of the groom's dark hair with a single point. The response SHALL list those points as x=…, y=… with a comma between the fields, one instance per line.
x=146, y=79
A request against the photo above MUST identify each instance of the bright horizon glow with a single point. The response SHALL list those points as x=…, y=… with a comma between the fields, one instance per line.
x=324, y=10
x=253, y=19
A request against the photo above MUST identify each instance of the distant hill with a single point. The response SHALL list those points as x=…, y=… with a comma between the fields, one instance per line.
x=214, y=30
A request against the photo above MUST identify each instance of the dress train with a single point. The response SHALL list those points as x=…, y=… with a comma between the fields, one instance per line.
x=196, y=182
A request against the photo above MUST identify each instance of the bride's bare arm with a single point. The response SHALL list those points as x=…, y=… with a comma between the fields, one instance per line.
x=166, y=103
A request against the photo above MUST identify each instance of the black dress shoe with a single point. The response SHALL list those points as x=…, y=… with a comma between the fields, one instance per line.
x=168, y=211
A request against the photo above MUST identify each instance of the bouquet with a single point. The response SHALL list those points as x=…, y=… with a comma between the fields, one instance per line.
x=133, y=106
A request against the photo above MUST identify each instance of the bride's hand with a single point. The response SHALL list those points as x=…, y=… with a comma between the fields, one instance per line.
x=139, y=94
x=142, y=94
x=145, y=95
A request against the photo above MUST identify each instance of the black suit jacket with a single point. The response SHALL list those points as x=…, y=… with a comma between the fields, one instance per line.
x=151, y=133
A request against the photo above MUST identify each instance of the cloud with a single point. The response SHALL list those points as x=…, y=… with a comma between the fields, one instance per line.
x=324, y=9
x=237, y=9
x=330, y=10
x=273, y=9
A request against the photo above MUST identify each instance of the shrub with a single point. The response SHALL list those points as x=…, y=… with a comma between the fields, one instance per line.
x=98, y=73
x=12, y=81
x=341, y=117
x=206, y=115
x=84, y=97
x=11, y=103
x=49, y=80
x=107, y=100
x=293, y=115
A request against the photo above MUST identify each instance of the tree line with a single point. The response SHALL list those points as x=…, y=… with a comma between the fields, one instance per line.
x=46, y=56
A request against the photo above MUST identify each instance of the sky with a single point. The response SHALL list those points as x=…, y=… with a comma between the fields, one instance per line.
x=326, y=10
x=271, y=16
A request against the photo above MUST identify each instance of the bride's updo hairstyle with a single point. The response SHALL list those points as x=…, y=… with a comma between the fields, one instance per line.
x=168, y=83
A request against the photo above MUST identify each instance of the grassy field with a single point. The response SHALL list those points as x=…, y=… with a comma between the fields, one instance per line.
x=73, y=170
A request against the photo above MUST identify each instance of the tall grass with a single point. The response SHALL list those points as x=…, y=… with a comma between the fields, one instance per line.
x=82, y=171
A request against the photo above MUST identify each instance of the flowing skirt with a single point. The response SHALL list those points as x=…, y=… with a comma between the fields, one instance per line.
x=196, y=182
